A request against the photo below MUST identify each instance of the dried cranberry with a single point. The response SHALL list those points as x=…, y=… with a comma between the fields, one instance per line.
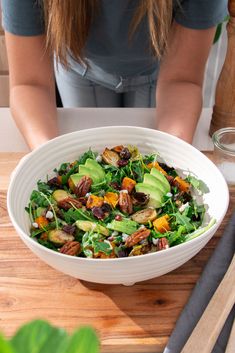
x=98, y=212
x=167, y=168
x=69, y=229
x=115, y=185
x=125, y=153
x=59, y=213
x=122, y=253
x=83, y=200
x=140, y=198
x=170, y=179
x=106, y=207
x=53, y=182
x=118, y=217
x=122, y=162
x=185, y=196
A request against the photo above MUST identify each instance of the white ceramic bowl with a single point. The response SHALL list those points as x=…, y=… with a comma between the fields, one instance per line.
x=68, y=147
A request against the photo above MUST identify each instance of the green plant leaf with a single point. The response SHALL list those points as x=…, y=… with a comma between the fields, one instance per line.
x=5, y=346
x=83, y=341
x=39, y=337
x=219, y=29
x=217, y=33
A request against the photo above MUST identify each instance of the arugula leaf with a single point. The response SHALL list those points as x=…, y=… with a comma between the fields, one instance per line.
x=72, y=170
x=200, y=231
x=36, y=232
x=102, y=246
x=176, y=236
x=62, y=169
x=38, y=199
x=184, y=221
x=198, y=184
x=73, y=215
x=86, y=155
x=44, y=187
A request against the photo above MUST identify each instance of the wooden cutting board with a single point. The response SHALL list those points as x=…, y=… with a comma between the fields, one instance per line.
x=128, y=319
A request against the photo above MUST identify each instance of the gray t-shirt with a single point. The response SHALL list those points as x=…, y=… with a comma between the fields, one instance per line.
x=108, y=44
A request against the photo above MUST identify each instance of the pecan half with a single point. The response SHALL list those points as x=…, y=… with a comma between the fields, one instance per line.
x=162, y=244
x=125, y=202
x=83, y=187
x=69, y=202
x=136, y=237
x=110, y=157
x=71, y=248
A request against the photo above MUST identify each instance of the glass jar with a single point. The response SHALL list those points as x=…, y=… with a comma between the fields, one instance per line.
x=224, y=152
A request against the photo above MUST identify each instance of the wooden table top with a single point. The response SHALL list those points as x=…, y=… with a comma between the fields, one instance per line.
x=128, y=319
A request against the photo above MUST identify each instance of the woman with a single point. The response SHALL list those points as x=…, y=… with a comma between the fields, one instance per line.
x=108, y=53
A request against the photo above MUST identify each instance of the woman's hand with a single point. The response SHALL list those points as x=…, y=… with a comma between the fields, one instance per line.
x=179, y=87
x=32, y=88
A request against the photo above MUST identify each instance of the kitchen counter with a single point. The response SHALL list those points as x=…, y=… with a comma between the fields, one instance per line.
x=128, y=319
x=72, y=119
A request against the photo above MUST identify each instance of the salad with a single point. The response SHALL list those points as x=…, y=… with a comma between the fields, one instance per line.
x=119, y=203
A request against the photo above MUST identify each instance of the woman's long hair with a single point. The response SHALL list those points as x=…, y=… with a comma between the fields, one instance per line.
x=68, y=23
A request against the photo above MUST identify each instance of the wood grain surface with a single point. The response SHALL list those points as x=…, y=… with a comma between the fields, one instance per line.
x=128, y=319
x=224, y=108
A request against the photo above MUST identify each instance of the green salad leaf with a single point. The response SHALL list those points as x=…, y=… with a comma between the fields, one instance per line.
x=39, y=336
x=198, y=184
x=105, y=202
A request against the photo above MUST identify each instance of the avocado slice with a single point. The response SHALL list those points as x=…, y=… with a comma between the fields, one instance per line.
x=161, y=178
x=124, y=226
x=156, y=183
x=93, y=165
x=90, y=172
x=154, y=194
x=76, y=178
x=87, y=226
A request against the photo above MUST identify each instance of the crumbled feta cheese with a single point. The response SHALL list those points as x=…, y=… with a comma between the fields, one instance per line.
x=35, y=225
x=99, y=158
x=124, y=191
x=169, y=194
x=155, y=241
x=182, y=207
x=114, y=233
x=124, y=236
x=49, y=215
x=142, y=226
x=87, y=194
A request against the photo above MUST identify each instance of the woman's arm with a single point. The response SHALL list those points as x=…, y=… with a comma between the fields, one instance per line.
x=179, y=87
x=32, y=88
